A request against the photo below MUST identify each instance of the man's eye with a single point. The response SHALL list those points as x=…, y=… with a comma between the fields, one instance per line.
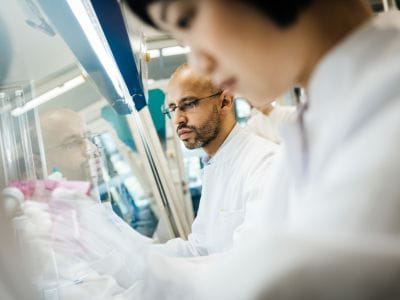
x=68, y=146
x=189, y=105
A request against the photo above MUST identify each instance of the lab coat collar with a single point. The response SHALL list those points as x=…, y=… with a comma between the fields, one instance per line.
x=328, y=82
x=227, y=146
x=295, y=144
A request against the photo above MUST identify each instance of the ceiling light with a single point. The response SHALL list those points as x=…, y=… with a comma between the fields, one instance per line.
x=96, y=39
x=66, y=86
x=154, y=53
x=177, y=50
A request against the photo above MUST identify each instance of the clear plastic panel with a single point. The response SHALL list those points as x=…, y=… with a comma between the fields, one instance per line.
x=20, y=145
x=78, y=183
x=66, y=255
x=68, y=149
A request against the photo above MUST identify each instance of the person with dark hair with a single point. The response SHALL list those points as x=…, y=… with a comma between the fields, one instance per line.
x=283, y=13
x=330, y=227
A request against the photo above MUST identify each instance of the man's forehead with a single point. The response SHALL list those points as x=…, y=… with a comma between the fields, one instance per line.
x=176, y=95
x=186, y=86
x=60, y=125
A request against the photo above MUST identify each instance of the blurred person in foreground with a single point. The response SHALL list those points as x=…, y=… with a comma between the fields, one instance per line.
x=329, y=228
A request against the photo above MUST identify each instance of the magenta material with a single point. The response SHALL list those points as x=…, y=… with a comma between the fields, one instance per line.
x=44, y=188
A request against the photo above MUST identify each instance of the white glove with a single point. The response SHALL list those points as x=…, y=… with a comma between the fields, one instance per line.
x=111, y=246
x=11, y=200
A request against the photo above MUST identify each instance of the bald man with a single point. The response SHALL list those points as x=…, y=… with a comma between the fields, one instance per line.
x=66, y=147
x=235, y=169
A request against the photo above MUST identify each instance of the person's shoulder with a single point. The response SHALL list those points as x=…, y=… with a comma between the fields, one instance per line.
x=256, y=145
x=387, y=20
x=286, y=109
x=285, y=113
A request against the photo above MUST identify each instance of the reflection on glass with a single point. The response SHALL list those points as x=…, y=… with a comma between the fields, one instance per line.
x=128, y=197
x=66, y=147
x=19, y=144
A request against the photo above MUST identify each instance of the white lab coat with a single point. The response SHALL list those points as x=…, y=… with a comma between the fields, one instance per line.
x=268, y=126
x=329, y=226
x=13, y=273
x=233, y=177
x=95, y=253
x=75, y=248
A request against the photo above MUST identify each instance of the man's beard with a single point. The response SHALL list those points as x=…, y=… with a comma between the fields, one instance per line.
x=203, y=134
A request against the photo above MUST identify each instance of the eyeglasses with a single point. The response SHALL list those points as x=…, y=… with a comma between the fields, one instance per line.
x=187, y=106
x=75, y=143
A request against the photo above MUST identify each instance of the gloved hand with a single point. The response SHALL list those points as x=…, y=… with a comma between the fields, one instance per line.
x=33, y=229
x=110, y=245
x=11, y=201
x=69, y=238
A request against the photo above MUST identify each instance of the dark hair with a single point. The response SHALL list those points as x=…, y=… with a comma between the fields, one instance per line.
x=139, y=7
x=282, y=12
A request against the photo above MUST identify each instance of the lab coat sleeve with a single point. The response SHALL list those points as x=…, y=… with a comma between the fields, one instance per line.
x=182, y=248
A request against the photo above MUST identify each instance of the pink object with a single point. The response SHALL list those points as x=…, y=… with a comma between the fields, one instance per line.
x=43, y=188
x=26, y=187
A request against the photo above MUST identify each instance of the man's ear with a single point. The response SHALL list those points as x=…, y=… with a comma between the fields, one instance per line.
x=227, y=100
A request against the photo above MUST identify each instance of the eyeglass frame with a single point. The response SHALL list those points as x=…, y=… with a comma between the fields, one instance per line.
x=168, y=111
x=77, y=141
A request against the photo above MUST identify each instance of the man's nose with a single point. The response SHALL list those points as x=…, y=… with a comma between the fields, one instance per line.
x=179, y=117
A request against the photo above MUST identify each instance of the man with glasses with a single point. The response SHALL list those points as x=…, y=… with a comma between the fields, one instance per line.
x=66, y=145
x=235, y=169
